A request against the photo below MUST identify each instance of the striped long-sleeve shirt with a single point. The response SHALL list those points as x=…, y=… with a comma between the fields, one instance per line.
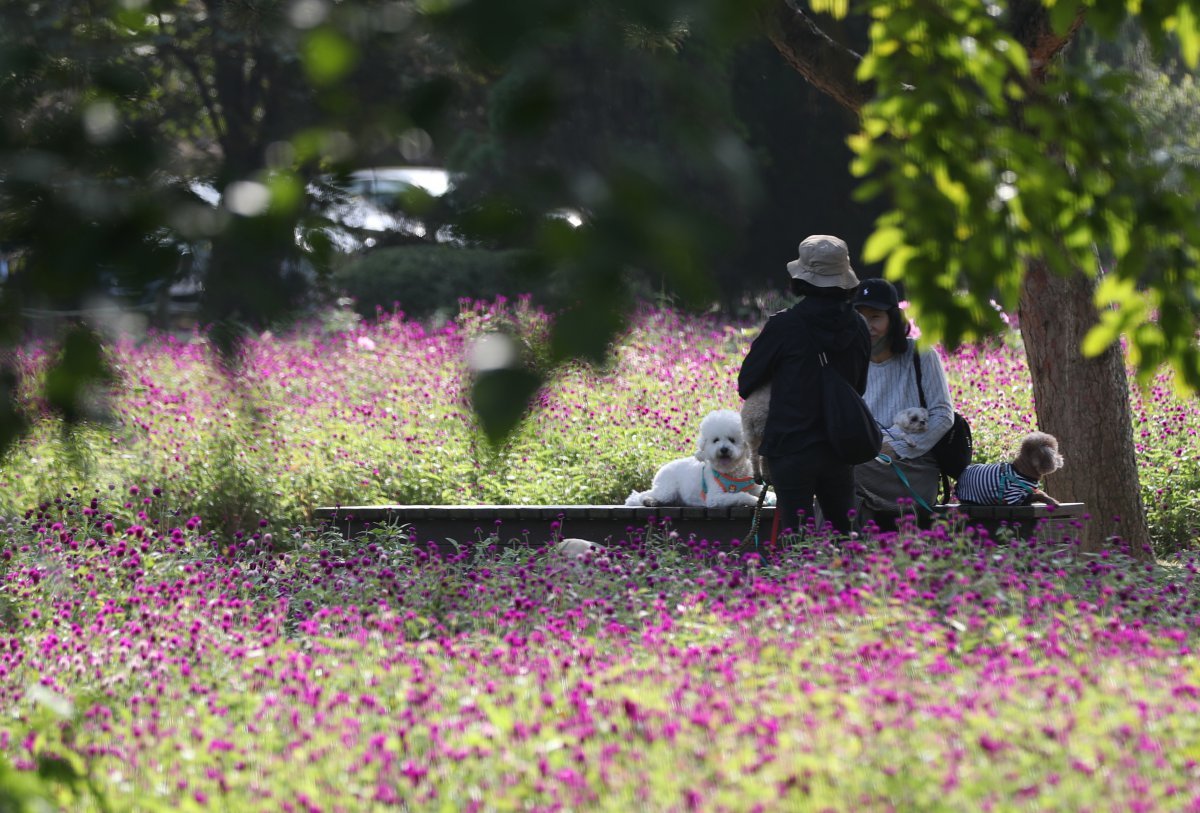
x=892, y=387
x=993, y=484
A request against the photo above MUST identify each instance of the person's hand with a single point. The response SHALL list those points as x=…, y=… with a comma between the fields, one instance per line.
x=887, y=449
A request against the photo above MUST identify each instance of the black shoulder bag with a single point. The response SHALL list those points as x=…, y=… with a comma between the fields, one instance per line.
x=953, y=452
x=853, y=432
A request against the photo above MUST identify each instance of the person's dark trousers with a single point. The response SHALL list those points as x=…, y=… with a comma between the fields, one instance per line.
x=797, y=479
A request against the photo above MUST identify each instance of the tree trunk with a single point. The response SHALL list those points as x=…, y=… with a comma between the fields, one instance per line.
x=1084, y=402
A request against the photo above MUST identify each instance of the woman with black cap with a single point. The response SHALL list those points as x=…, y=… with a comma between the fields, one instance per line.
x=795, y=443
x=910, y=473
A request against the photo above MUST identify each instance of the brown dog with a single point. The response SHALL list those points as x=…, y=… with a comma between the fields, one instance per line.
x=1015, y=483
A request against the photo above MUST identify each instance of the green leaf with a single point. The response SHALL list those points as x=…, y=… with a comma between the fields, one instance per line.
x=1187, y=28
x=328, y=56
x=57, y=769
x=80, y=365
x=898, y=260
x=954, y=190
x=501, y=399
x=586, y=331
x=1124, y=308
x=1062, y=14
x=880, y=244
x=1101, y=336
x=834, y=8
x=287, y=192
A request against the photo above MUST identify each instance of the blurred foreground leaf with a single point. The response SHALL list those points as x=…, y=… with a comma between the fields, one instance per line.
x=12, y=422
x=501, y=397
x=72, y=382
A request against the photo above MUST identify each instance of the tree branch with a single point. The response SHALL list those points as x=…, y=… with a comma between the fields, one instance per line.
x=830, y=66
x=825, y=63
x=1029, y=24
x=206, y=94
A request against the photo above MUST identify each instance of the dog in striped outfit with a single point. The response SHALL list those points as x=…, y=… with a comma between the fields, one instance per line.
x=1015, y=483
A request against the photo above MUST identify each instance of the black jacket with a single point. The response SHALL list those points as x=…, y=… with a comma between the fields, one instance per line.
x=784, y=355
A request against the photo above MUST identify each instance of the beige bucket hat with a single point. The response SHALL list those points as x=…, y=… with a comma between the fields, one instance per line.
x=824, y=261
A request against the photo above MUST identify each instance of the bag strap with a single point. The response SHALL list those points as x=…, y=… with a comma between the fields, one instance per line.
x=917, y=370
x=942, y=476
x=822, y=358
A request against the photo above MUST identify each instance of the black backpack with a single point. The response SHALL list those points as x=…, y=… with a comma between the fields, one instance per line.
x=853, y=432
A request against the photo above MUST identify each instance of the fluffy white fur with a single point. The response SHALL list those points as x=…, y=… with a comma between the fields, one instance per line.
x=754, y=425
x=908, y=422
x=720, y=447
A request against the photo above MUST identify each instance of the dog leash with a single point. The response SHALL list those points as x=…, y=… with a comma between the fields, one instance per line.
x=762, y=495
x=903, y=479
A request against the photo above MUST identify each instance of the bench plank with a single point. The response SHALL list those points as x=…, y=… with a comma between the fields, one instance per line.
x=596, y=522
x=464, y=523
x=1061, y=521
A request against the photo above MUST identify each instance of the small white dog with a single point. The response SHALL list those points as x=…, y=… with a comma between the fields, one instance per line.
x=911, y=421
x=717, y=476
x=754, y=425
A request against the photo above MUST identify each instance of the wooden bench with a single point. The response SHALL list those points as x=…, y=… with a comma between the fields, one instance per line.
x=1053, y=522
x=470, y=523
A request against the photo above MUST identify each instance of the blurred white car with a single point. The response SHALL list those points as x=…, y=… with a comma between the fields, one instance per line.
x=372, y=203
x=361, y=209
x=375, y=195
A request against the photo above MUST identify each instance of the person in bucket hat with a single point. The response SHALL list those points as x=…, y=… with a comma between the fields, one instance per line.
x=824, y=262
x=801, y=462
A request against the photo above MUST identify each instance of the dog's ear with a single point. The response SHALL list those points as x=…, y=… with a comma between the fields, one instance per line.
x=1052, y=461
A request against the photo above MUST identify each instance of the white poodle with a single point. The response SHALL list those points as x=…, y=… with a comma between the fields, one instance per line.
x=717, y=476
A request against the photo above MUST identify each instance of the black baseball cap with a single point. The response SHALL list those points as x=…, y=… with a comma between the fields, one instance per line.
x=877, y=293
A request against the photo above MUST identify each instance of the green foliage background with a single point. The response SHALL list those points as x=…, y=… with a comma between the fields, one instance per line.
x=426, y=280
x=651, y=117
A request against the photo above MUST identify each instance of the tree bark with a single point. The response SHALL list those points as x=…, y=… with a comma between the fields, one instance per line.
x=825, y=63
x=1084, y=402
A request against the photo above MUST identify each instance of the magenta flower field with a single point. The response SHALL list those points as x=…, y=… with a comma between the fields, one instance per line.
x=149, y=666
x=378, y=413
x=175, y=635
